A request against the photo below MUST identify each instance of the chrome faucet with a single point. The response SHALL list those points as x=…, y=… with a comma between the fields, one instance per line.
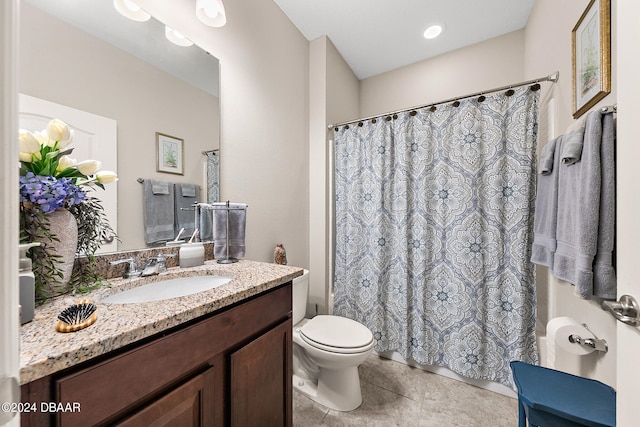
x=130, y=269
x=161, y=259
x=150, y=268
x=156, y=265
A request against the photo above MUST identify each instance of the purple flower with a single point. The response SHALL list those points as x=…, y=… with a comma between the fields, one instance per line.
x=48, y=194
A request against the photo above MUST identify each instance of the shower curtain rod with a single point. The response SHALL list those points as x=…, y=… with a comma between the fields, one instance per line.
x=550, y=78
x=214, y=151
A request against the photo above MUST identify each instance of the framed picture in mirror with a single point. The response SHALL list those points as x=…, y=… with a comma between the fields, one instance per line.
x=170, y=154
x=591, y=49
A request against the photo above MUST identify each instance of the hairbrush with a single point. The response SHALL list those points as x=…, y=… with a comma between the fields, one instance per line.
x=77, y=316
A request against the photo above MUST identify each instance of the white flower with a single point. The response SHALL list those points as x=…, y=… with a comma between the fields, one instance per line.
x=29, y=147
x=65, y=162
x=89, y=167
x=59, y=132
x=105, y=177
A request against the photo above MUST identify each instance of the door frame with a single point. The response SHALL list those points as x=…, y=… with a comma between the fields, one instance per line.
x=9, y=299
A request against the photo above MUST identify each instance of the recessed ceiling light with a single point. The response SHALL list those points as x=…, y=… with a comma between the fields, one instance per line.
x=433, y=31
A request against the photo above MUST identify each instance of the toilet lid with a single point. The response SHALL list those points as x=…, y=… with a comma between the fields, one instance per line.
x=337, y=333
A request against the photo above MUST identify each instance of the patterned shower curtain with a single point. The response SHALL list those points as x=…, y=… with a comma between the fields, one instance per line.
x=213, y=177
x=434, y=220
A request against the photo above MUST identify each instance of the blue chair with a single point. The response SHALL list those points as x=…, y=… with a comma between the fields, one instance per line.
x=550, y=398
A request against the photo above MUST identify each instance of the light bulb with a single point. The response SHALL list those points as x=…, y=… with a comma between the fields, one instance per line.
x=176, y=38
x=131, y=10
x=211, y=12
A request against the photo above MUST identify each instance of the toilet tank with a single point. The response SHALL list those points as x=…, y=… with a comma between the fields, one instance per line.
x=300, y=293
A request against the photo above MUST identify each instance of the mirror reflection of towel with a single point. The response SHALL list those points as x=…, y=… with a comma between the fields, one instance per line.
x=237, y=223
x=185, y=197
x=205, y=222
x=158, y=201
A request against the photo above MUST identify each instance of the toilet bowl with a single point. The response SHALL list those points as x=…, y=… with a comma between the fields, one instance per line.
x=327, y=351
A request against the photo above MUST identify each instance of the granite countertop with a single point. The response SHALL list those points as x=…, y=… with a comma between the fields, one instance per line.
x=44, y=351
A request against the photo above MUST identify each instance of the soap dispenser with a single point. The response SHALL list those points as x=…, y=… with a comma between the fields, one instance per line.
x=27, y=284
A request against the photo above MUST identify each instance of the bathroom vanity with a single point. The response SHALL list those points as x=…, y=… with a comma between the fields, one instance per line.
x=219, y=357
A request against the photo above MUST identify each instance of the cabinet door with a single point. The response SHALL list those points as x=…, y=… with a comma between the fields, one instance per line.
x=260, y=380
x=190, y=404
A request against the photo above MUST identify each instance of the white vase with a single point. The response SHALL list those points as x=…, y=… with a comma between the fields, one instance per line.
x=64, y=226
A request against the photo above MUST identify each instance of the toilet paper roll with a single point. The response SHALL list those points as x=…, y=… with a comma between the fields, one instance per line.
x=559, y=329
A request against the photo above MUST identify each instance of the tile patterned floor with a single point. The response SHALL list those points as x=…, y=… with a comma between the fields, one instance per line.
x=395, y=394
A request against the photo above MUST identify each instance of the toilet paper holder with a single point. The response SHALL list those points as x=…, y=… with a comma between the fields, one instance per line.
x=594, y=343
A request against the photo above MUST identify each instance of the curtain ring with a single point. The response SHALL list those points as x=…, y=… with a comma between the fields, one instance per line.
x=510, y=92
x=346, y=126
x=433, y=108
x=456, y=103
x=373, y=120
x=535, y=87
x=413, y=113
x=395, y=116
x=388, y=118
x=336, y=129
x=481, y=98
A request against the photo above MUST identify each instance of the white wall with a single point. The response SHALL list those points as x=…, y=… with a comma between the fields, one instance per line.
x=489, y=64
x=548, y=47
x=94, y=76
x=264, y=118
x=333, y=97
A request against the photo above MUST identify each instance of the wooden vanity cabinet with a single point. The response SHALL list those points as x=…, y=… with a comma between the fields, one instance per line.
x=231, y=368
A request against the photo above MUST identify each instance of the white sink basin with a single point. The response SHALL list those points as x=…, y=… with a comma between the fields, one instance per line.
x=166, y=289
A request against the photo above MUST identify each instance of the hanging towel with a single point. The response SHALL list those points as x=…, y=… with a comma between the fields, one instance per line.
x=579, y=197
x=573, y=141
x=184, y=210
x=205, y=222
x=604, y=276
x=158, y=204
x=237, y=223
x=546, y=210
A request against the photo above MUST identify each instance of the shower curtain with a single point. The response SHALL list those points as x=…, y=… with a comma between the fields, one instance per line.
x=213, y=174
x=434, y=220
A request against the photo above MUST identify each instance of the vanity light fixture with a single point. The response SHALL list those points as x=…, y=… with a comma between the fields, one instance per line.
x=433, y=31
x=175, y=37
x=211, y=12
x=131, y=10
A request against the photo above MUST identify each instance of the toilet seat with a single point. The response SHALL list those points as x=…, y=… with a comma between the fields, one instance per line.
x=337, y=334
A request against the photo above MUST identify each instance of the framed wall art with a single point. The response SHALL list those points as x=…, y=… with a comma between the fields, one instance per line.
x=170, y=154
x=591, y=56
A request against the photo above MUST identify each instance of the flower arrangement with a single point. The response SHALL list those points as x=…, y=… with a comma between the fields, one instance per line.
x=51, y=180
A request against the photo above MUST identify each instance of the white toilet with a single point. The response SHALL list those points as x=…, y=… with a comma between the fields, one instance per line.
x=327, y=351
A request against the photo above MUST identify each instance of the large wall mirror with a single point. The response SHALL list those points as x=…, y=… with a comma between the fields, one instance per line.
x=84, y=55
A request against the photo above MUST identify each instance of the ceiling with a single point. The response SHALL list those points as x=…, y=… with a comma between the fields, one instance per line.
x=375, y=36
x=145, y=40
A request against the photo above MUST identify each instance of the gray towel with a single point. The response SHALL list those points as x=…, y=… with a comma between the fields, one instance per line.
x=158, y=211
x=184, y=210
x=160, y=187
x=205, y=222
x=546, y=210
x=604, y=275
x=572, y=146
x=579, y=194
x=237, y=223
